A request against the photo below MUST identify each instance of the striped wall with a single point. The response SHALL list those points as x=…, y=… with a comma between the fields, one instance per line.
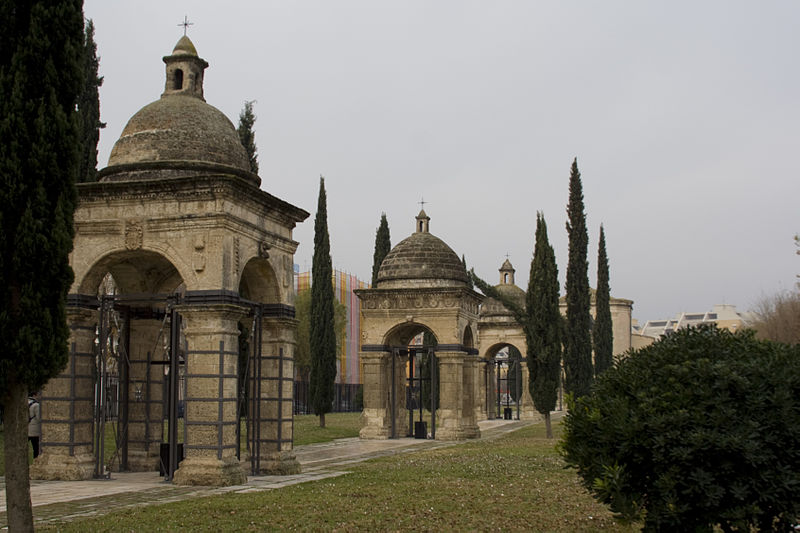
x=349, y=369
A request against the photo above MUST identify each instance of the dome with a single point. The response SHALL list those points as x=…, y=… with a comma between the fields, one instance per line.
x=422, y=260
x=179, y=131
x=179, y=128
x=492, y=307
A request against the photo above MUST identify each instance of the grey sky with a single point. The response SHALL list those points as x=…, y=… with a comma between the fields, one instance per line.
x=683, y=115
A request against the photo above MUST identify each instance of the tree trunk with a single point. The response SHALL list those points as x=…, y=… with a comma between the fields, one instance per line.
x=18, y=489
x=322, y=420
x=548, y=426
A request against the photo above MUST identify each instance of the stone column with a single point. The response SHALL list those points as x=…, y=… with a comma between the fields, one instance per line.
x=376, y=416
x=146, y=393
x=212, y=339
x=491, y=401
x=275, y=427
x=480, y=390
x=67, y=407
x=452, y=421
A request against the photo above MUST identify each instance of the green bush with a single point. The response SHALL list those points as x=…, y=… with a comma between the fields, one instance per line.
x=700, y=429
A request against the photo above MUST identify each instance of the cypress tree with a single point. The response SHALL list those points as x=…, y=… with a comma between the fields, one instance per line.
x=246, y=135
x=578, y=342
x=602, y=333
x=89, y=107
x=544, y=338
x=40, y=80
x=469, y=278
x=323, y=337
x=383, y=246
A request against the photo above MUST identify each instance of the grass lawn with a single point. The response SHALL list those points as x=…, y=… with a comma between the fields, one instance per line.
x=514, y=483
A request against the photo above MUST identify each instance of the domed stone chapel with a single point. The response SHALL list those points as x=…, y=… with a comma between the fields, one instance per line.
x=198, y=322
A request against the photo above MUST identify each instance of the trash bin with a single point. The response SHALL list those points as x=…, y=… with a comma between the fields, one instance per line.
x=420, y=430
x=508, y=413
x=164, y=453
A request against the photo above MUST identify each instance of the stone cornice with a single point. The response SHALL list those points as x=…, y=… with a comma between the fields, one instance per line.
x=206, y=187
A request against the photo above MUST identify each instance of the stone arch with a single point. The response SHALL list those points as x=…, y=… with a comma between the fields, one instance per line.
x=468, y=339
x=137, y=271
x=402, y=334
x=258, y=282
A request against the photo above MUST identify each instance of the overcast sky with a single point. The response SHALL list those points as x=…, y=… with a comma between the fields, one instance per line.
x=683, y=116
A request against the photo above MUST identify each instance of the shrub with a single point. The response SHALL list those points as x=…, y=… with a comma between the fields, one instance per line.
x=697, y=430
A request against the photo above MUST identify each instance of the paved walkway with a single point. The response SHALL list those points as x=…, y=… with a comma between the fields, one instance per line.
x=63, y=500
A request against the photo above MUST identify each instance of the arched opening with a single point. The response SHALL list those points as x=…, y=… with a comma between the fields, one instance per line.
x=177, y=84
x=503, y=381
x=137, y=372
x=414, y=370
x=505, y=278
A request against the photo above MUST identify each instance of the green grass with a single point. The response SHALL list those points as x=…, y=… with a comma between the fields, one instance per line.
x=514, y=483
x=337, y=426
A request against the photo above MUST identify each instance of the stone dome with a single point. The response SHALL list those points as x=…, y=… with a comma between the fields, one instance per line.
x=421, y=260
x=179, y=131
x=491, y=307
x=179, y=128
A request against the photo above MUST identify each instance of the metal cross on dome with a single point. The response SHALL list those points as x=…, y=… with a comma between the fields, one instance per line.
x=422, y=203
x=185, y=24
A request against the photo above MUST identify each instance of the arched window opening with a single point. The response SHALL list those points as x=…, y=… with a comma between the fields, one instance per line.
x=505, y=278
x=178, y=85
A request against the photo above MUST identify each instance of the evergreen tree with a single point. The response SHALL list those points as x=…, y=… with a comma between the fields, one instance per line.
x=323, y=337
x=40, y=79
x=89, y=107
x=544, y=340
x=469, y=278
x=578, y=342
x=383, y=246
x=602, y=333
x=541, y=322
x=246, y=135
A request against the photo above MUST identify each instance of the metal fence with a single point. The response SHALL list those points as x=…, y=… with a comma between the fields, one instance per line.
x=347, y=398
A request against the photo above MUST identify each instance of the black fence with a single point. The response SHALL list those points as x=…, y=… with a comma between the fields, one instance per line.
x=347, y=398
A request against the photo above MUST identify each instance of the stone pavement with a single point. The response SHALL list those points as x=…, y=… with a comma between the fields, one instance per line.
x=64, y=500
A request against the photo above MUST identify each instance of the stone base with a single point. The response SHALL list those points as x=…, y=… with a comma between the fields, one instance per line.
x=458, y=433
x=375, y=433
x=276, y=464
x=57, y=467
x=142, y=462
x=211, y=472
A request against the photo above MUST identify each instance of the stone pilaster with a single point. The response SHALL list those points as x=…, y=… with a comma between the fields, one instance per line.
x=527, y=411
x=275, y=425
x=212, y=339
x=455, y=418
x=376, y=416
x=67, y=407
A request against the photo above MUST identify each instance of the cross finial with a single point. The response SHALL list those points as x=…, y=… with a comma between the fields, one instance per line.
x=422, y=203
x=185, y=24
x=506, y=255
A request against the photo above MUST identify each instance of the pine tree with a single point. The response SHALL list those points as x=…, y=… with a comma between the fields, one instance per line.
x=246, y=135
x=40, y=80
x=89, y=107
x=383, y=245
x=323, y=337
x=544, y=338
x=578, y=342
x=602, y=333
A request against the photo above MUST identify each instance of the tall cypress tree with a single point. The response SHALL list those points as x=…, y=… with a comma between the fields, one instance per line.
x=247, y=136
x=578, y=341
x=323, y=336
x=383, y=245
x=89, y=107
x=544, y=338
x=40, y=79
x=602, y=333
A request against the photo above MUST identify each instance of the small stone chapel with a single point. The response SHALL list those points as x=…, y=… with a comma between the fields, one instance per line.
x=202, y=264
